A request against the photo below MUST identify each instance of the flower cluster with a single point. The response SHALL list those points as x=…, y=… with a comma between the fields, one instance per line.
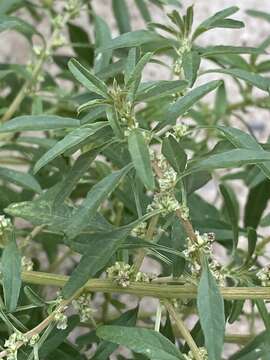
x=139, y=230
x=203, y=354
x=179, y=131
x=165, y=202
x=264, y=275
x=5, y=225
x=203, y=243
x=60, y=317
x=168, y=180
x=83, y=305
x=123, y=274
x=17, y=339
x=26, y=264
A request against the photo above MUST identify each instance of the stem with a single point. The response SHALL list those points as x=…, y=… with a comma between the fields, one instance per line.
x=164, y=291
x=183, y=330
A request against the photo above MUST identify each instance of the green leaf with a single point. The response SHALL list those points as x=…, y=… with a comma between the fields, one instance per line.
x=251, y=78
x=121, y=14
x=19, y=178
x=80, y=43
x=98, y=193
x=15, y=23
x=143, y=10
x=224, y=49
x=75, y=137
x=102, y=37
x=182, y=105
x=259, y=14
x=11, y=272
x=232, y=211
x=217, y=20
x=256, y=203
x=243, y=140
x=96, y=256
x=38, y=123
x=105, y=348
x=133, y=39
x=221, y=102
x=211, y=312
x=154, y=90
x=33, y=297
x=191, y=63
x=229, y=159
x=87, y=79
x=174, y=153
x=141, y=159
x=7, y=6
x=142, y=341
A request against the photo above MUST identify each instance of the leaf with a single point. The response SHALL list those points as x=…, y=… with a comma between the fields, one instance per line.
x=133, y=39
x=224, y=49
x=19, y=178
x=182, y=105
x=174, y=153
x=102, y=37
x=251, y=78
x=229, y=159
x=75, y=137
x=260, y=14
x=80, y=43
x=95, y=257
x=142, y=341
x=11, y=272
x=121, y=14
x=241, y=139
x=77, y=171
x=252, y=242
x=232, y=211
x=143, y=10
x=221, y=102
x=7, y=6
x=256, y=204
x=93, y=200
x=15, y=23
x=105, y=348
x=141, y=159
x=154, y=90
x=191, y=63
x=38, y=123
x=87, y=79
x=211, y=312
x=217, y=20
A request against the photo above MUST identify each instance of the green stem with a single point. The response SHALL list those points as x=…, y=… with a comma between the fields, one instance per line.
x=183, y=330
x=164, y=291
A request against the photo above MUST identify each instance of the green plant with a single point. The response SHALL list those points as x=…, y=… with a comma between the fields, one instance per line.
x=99, y=162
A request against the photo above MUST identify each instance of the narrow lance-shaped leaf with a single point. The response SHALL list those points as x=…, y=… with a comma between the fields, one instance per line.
x=153, y=90
x=229, y=159
x=243, y=140
x=211, y=312
x=224, y=49
x=174, y=153
x=143, y=341
x=191, y=63
x=76, y=137
x=86, y=78
x=217, y=20
x=39, y=123
x=102, y=37
x=231, y=211
x=133, y=39
x=182, y=105
x=11, y=272
x=251, y=78
x=121, y=14
x=259, y=14
x=15, y=23
x=19, y=178
x=94, y=198
x=141, y=159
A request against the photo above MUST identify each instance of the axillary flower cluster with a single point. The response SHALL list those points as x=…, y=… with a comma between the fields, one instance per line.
x=203, y=354
x=5, y=229
x=16, y=340
x=122, y=274
x=264, y=275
